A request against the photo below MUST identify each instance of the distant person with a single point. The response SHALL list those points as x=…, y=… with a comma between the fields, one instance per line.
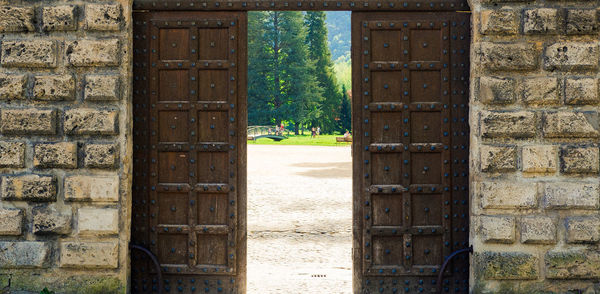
x=281, y=129
x=313, y=132
x=318, y=131
x=347, y=134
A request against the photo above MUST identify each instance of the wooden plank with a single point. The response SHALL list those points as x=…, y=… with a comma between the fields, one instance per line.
x=357, y=156
x=303, y=5
x=242, y=122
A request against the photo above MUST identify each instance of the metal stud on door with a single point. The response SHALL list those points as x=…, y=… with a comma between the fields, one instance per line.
x=410, y=119
x=189, y=160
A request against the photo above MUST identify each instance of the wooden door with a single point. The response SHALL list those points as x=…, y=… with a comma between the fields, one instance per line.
x=189, y=202
x=411, y=159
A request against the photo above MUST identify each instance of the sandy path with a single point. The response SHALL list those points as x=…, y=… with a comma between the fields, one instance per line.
x=299, y=219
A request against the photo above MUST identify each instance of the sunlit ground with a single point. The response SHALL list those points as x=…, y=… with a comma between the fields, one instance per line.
x=299, y=219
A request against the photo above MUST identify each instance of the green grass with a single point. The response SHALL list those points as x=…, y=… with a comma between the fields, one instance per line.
x=322, y=140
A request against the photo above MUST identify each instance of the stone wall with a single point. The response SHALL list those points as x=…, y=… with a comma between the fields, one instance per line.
x=65, y=147
x=534, y=146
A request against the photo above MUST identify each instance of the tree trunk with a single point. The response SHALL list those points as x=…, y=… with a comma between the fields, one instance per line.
x=296, y=127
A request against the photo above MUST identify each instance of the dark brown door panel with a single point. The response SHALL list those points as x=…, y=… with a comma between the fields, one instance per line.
x=410, y=85
x=189, y=151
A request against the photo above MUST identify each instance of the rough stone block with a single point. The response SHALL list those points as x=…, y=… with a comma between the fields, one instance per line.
x=93, y=52
x=12, y=221
x=29, y=53
x=28, y=188
x=581, y=91
x=54, y=87
x=571, y=195
x=27, y=254
x=540, y=91
x=568, y=124
x=103, y=17
x=71, y=281
x=499, y=124
x=581, y=21
x=101, y=155
x=59, y=18
x=501, y=22
x=98, y=220
x=583, y=229
x=580, y=160
x=508, y=265
x=16, y=19
x=508, y=195
x=571, y=56
x=89, y=254
x=12, y=154
x=498, y=158
x=87, y=121
x=500, y=1
x=50, y=220
x=538, y=230
x=92, y=188
x=496, y=229
x=63, y=154
x=12, y=86
x=541, y=21
x=28, y=121
x=540, y=159
x=508, y=56
x=101, y=87
x=495, y=90
x=573, y=264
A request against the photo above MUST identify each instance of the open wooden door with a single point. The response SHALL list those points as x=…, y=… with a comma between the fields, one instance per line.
x=189, y=201
x=411, y=158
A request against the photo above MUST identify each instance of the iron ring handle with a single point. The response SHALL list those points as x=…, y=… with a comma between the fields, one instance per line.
x=156, y=264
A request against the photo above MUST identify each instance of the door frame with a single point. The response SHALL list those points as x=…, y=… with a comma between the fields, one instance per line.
x=302, y=5
x=320, y=5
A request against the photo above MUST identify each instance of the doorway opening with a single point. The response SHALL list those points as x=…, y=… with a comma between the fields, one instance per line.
x=299, y=153
x=410, y=155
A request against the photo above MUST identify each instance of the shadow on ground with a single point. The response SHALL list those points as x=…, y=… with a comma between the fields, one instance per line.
x=325, y=169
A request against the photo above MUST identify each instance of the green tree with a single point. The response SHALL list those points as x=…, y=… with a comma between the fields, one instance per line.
x=345, y=114
x=281, y=85
x=260, y=63
x=319, y=53
x=299, y=83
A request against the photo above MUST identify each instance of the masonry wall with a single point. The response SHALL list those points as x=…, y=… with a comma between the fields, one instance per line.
x=534, y=146
x=65, y=147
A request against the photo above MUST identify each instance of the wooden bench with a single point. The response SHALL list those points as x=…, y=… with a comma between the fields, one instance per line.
x=343, y=139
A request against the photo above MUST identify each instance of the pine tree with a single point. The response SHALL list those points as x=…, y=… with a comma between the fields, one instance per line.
x=300, y=85
x=260, y=64
x=319, y=53
x=281, y=87
x=345, y=114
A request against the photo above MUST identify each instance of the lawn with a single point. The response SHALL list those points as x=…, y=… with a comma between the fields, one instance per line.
x=322, y=140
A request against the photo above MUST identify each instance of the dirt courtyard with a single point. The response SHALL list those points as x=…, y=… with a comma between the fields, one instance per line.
x=299, y=219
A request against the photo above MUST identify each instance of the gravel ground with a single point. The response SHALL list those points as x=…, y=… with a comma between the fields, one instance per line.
x=299, y=219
